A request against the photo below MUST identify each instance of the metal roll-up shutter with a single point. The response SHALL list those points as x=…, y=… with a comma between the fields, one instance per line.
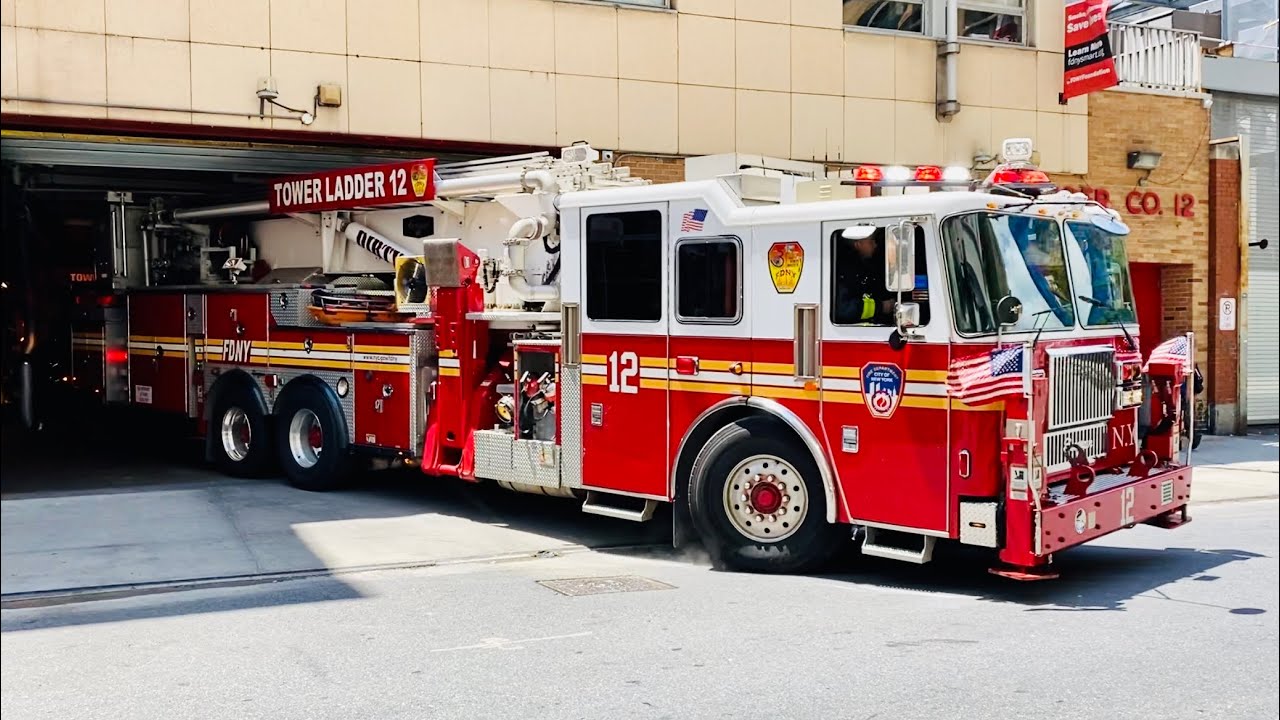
x=1254, y=119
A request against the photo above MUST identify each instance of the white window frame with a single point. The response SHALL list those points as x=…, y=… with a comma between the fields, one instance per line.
x=675, y=285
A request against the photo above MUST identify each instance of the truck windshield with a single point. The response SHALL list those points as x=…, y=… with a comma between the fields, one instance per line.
x=991, y=255
x=1100, y=272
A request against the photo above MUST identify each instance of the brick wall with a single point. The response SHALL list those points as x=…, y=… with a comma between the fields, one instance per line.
x=1173, y=229
x=654, y=168
x=1224, y=281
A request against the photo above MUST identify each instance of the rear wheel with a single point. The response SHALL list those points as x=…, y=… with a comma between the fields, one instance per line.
x=241, y=441
x=311, y=439
x=757, y=499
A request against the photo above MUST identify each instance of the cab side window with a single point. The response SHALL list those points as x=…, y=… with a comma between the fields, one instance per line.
x=624, y=266
x=858, y=294
x=709, y=280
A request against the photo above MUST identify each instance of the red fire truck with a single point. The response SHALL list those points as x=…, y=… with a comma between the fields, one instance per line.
x=898, y=354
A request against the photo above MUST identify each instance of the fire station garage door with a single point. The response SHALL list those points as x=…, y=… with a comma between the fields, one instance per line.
x=1254, y=118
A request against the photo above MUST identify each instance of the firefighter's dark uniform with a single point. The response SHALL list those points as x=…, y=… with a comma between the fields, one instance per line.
x=860, y=291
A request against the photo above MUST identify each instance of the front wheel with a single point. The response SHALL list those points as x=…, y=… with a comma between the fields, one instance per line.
x=311, y=439
x=757, y=500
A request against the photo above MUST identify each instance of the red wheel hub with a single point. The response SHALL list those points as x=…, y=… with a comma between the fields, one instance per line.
x=315, y=436
x=766, y=498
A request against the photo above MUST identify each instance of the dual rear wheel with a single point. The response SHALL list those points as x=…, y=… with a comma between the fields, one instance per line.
x=306, y=437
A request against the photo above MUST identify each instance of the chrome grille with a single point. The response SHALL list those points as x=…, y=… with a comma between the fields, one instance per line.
x=1090, y=438
x=1081, y=386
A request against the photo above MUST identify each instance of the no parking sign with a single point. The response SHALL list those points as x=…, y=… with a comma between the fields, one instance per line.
x=1227, y=314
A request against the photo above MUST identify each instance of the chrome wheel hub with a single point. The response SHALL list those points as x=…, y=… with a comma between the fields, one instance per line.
x=237, y=434
x=765, y=498
x=306, y=438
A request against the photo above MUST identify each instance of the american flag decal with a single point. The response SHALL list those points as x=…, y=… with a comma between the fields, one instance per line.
x=693, y=220
x=988, y=376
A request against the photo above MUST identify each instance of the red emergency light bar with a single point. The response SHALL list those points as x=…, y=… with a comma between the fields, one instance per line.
x=902, y=175
x=1020, y=177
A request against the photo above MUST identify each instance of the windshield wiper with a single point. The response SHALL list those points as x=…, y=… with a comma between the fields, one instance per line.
x=1101, y=305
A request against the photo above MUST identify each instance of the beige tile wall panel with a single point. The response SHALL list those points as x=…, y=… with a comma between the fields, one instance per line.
x=455, y=102
x=717, y=8
x=85, y=16
x=586, y=40
x=707, y=120
x=771, y=11
x=648, y=119
x=639, y=32
x=8, y=13
x=1076, y=137
x=917, y=139
x=383, y=28
x=967, y=135
x=297, y=75
x=61, y=66
x=764, y=56
x=1050, y=137
x=587, y=110
x=1048, y=82
x=523, y=106
x=231, y=22
x=225, y=78
x=142, y=71
x=869, y=65
x=454, y=31
x=1013, y=82
x=764, y=122
x=8, y=66
x=973, y=75
x=309, y=25
x=817, y=61
x=1047, y=23
x=163, y=19
x=816, y=13
x=915, y=70
x=870, y=128
x=817, y=127
x=385, y=97
x=520, y=33
x=1007, y=123
x=706, y=50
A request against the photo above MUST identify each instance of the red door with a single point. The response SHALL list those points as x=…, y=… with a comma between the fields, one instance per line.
x=1146, y=291
x=158, y=352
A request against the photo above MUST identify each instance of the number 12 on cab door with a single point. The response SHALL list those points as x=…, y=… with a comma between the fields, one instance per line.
x=624, y=372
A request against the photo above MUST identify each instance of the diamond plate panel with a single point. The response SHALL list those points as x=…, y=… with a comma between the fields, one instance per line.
x=493, y=455
x=422, y=360
x=536, y=462
x=982, y=513
x=289, y=308
x=570, y=427
x=601, y=585
x=194, y=310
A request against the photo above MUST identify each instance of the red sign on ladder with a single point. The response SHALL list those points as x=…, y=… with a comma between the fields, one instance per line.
x=365, y=186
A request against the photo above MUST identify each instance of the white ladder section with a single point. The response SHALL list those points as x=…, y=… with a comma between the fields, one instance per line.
x=919, y=556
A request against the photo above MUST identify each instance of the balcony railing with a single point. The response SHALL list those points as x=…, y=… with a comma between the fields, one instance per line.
x=1156, y=58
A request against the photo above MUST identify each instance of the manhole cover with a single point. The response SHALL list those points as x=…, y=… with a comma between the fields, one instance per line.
x=601, y=585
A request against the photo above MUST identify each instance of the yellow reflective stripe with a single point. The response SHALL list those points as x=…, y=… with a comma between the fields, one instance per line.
x=450, y=372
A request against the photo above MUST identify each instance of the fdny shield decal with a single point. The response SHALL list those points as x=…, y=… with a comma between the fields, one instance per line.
x=882, y=385
x=419, y=179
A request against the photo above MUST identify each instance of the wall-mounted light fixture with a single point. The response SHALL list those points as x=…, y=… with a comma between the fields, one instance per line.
x=267, y=93
x=1144, y=160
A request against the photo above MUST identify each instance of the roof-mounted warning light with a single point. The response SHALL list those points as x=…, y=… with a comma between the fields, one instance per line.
x=922, y=176
x=1016, y=174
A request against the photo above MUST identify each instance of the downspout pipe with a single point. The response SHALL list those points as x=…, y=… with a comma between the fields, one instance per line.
x=948, y=101
x=524, y=231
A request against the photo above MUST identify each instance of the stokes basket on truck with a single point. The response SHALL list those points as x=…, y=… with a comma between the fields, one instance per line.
x=789, y=356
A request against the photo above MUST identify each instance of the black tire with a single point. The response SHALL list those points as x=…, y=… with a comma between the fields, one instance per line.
x=803, y=547
x=313, y=463
x=239, y=434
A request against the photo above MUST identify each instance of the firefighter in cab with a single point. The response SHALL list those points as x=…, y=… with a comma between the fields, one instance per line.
x=861, y=297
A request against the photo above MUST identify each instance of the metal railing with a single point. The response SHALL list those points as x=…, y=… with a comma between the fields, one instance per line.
x=1156, y=58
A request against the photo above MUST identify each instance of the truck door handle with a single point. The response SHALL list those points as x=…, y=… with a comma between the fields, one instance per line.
x=966, y=464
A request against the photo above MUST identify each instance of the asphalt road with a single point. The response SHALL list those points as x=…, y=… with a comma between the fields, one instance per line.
x=1146, y=624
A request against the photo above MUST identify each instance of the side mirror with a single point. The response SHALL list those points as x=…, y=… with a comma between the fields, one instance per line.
x=900, y=258
x=907, y=315
x=1009, y=310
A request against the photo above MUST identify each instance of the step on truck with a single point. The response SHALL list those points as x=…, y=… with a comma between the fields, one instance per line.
x=792, y=358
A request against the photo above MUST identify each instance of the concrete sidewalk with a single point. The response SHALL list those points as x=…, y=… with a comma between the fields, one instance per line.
x=1236, y=468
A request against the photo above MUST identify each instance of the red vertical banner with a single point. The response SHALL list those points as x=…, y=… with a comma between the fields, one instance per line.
x=1088, y=63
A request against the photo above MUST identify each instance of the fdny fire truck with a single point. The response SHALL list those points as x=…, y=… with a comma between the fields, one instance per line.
x=556, y=326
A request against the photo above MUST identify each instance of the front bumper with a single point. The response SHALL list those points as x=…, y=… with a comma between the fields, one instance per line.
x=1112, y=502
